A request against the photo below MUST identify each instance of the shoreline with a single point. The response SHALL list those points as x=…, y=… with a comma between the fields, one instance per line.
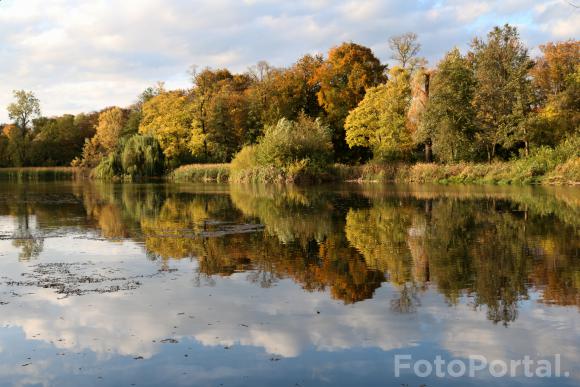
x=499, y=173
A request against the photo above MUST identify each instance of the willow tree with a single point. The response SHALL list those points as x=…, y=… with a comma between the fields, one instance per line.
x=379, y=122
x=141, y=157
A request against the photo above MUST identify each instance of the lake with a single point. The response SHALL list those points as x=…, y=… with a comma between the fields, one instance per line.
x=215, y=285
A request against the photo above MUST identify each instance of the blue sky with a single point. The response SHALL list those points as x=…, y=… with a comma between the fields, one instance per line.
x=83, y=55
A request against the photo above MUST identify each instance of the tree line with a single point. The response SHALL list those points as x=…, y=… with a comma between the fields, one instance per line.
x=493, y=102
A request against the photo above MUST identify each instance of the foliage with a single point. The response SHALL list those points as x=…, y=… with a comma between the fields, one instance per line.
x=503, y=96
x=58, y=140
x=343, y=78
x=493, y=104
x=169, y=118
x=379, y=121
x=109, y=128
x=289, y=150
x=134, y=158
x=142, y=157
x=449, y=118
x=108, y=168
x=26, y=107
x=556, y=77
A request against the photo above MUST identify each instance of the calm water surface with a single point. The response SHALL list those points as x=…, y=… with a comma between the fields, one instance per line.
x=179, y=285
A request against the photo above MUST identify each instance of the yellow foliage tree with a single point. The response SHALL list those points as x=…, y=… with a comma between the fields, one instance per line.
x=379, y=122
x=109, y=128
x=170, y=118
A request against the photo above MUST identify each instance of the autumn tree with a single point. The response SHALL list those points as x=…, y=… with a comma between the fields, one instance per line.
x=449, y=118
x=275, y=93
x=207, y=84
x=108, y=132
x=343, y=78
x=169, y=118
x=551, y=71
x=503, y=95
x=379, y=122
x=556, y=77
x=109, y=128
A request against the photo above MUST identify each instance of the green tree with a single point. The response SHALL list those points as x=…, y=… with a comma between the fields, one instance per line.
x=56, y=141
x=22, y=112
x=379, y=122
x=26, y=107
x=503, y=96
x=449, y=119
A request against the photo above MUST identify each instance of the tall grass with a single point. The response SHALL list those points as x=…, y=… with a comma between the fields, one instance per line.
x=40, y=173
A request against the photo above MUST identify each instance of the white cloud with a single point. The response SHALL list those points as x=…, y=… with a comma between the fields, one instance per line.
x=85, y=55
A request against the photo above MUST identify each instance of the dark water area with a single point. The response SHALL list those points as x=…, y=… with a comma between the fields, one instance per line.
x=218, y=285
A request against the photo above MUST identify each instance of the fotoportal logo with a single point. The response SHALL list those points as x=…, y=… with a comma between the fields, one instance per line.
x=477, y=366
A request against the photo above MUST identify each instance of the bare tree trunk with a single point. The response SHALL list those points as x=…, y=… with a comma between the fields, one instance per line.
x=428, y=151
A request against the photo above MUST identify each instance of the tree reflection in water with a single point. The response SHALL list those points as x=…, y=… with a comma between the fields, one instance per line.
x=489, y=245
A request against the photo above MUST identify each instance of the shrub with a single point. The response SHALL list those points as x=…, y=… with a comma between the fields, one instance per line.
x=290, y=151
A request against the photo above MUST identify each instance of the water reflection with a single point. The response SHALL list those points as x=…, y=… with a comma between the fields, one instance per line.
x=293, y=272
x=494, y=244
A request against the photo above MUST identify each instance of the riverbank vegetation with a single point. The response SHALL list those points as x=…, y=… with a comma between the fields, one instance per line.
x=492, y=114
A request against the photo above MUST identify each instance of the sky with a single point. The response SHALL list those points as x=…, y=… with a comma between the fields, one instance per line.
x=84, y=55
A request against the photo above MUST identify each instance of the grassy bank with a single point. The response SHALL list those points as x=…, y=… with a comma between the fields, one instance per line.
x=559, y=166
x=567, y=173
x=516, y=172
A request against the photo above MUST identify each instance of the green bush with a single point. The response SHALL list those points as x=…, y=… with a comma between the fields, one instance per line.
x=290, y=151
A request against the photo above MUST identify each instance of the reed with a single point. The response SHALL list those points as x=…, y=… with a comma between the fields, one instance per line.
x=201, y=173
x=41, y=173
